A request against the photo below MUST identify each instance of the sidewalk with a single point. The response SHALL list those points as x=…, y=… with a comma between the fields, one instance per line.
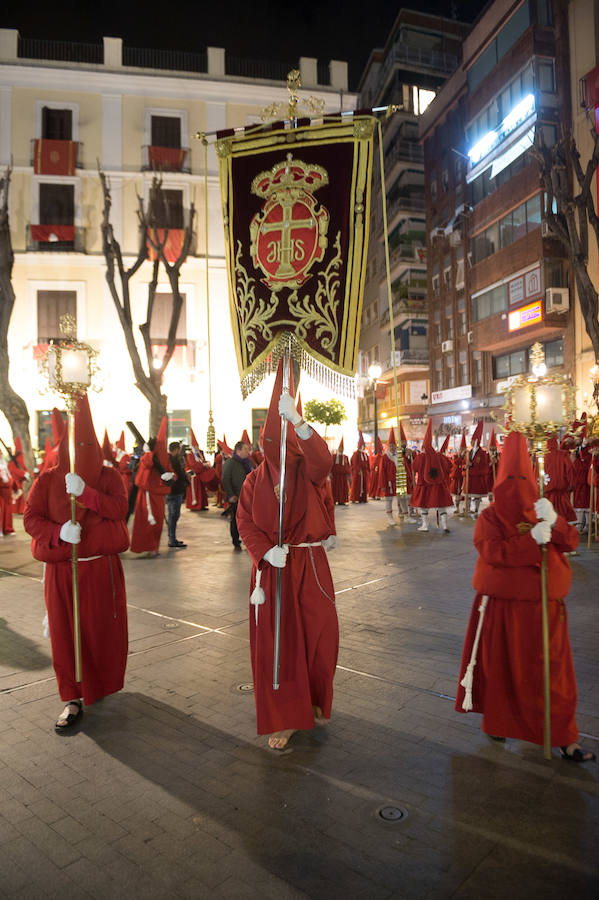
x=166, y=792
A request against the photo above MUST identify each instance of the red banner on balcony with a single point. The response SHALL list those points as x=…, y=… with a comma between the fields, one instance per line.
x=592, y=88
x=166, y=159
x=54, y=157
x=173, y=245
x=50, y=233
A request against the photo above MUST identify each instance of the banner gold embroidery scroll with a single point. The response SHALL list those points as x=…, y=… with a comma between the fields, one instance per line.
x=296, y=208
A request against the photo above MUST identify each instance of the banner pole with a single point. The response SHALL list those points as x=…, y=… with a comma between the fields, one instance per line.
x=282, y=464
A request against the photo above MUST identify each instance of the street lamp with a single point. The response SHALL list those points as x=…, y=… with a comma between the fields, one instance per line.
x=538, y=406
x=374, y=373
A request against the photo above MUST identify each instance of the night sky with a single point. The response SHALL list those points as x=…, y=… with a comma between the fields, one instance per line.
x=260, y=29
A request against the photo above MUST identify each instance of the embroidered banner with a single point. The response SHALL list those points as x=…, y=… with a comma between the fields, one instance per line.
x=172, y=238
x=296, y=209
x=54, y=157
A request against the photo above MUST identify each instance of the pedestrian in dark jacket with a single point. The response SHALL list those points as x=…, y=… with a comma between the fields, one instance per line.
x=235, y=470
x=178, y=491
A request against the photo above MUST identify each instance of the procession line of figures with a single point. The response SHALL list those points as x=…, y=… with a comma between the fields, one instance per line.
x=501, y=669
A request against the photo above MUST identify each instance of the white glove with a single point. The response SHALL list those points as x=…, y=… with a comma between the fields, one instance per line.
x=70, y=532
x=75, y=484
x=146, y=448
x=119, y=454
x=277, y=556
x=541, y=532
x=544, y=510
x=287, y=409
x=330, y=543
x=167, y=476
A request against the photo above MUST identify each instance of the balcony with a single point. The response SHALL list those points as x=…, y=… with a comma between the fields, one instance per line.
x=55, y=239
x=56, y=157
x=402, y=150
x=408, y=251
x=417, y=58
x=411, y=203
x=165, y=159
x=409, y=357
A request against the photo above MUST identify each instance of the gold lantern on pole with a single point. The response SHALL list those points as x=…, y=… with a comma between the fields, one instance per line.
x=539, y=406
x=70, y=366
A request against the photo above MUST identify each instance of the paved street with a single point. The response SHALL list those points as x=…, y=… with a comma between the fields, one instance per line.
x=166, y=792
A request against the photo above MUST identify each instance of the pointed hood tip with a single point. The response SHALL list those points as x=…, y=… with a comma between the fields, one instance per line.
x=271, y=436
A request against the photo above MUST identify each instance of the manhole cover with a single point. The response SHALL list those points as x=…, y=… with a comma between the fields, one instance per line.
x=171, y=625
x=246, y=688
x=392, y=813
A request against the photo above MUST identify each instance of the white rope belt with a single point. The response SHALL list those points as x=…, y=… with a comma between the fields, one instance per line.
x=88, y=558
x=193, y=489
x=151, y=519
x=307, y=544
x=468, y=678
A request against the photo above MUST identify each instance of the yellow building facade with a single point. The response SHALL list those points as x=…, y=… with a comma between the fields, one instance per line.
x=127, y=119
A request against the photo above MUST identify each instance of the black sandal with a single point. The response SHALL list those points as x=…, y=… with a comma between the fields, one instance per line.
x=64, y=724
x=578, y=755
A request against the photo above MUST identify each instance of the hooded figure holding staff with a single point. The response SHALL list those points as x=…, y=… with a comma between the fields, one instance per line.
x=309, y=631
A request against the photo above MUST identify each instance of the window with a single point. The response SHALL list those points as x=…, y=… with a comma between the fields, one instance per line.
x=170, y=214
x=477, y=369
x=519, y=222
x=544, y=12
x=166, y=131
x=489, y=303
x=510, y=228
x=57, y=124
x=51, y=305
x=462, y=322
x=554, y=353
x=445, y=179
x=515, y=363
x=554, y=273
x=161, y=320
x=533, y=212
x=546, y=77
x=486, y=243
x=447, y=272
x=57, y=204
x=434, y=190
x=463, y=373
x=506, y=38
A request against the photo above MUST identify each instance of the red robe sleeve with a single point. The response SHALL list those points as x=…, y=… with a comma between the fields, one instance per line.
x=317, y=457
x=256, y=542
x=44, y=531
x=111, y=505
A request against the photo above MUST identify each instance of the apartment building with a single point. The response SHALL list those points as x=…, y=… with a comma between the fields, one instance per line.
x=497, y=280
x=67, y=108
x=420, y=54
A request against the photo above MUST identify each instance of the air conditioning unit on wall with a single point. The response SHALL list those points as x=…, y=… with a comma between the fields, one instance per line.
x=446, y=346
x=470, y=337
x=557, y=300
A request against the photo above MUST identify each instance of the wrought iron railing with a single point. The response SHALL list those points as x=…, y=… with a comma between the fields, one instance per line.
x=61, y=51
x=78, y=154
x=267, y=69
x=402, y=149
x=173, y=60
x=53, y=244
x=165, y=159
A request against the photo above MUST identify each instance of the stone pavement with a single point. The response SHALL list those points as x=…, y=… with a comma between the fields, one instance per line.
x=166, y=792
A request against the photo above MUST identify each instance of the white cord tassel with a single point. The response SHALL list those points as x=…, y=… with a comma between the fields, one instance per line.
x=468, y=678
x=46, y=627
x=193, y=488
x=151, y=519
x=258, y=596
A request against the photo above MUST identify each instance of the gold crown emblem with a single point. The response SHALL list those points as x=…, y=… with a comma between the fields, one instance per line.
x=293, y=173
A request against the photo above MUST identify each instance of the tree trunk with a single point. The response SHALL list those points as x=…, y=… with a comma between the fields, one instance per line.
x=12, y=405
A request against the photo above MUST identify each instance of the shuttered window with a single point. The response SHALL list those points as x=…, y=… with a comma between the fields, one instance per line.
x=51, y=305
x=57, y=204
x=161, y=319
x=57, y=124
x=166, y=131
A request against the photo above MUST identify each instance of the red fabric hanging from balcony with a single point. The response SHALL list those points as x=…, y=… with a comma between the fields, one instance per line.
x=50, y=233
x=166, y=159
x=173, y=246
x=54, y=157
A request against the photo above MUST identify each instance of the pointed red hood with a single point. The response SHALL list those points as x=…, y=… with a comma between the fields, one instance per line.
x=298, y=405
x=18, y=446
x=515, y=489
x=432, y=472
x=107, y=451
x=427, y=440
x=361, y=443
x=160, y=449
x=379, y=445
x=120, y=444
x=192, y=439
x=463, y=445
x=391, y=439
x=272, y=426
x=444, y=445
x=340, y=448
x=493, y=439
x=58, y=426
x=88, y=453
x=478, y=433
x=402, y=434
x=225, y=447
x=246, y=438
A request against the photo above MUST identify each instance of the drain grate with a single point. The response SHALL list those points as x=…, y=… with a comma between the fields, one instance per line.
x=392, y=814
x=246, y=688
x=171, y=625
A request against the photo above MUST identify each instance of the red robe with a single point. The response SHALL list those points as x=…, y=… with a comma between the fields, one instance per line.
x=6, y=490
x=387, y=473
x=373, y=480
x=431, y=481
x=257, y=457
x=559, y=474
x=309, y=627
x=340, y=478
x=581, y=464
x=196, y=496
x=407, y=461
x=508, y=676
x=221, y=500
x=360, y=468
x=479, y=479
x=103, y=604
x=456, y=475
x=124, y=470
x=18, y=473
x=145, y=536
x=594, y=476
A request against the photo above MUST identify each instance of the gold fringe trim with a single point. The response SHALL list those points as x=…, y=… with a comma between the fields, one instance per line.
x=345, y=385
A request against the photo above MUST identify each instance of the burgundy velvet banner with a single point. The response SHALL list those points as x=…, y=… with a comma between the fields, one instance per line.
x=54, y=157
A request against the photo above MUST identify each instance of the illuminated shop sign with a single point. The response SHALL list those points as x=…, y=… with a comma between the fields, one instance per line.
x=512, y=121
x=525, y=287
x=526, y=315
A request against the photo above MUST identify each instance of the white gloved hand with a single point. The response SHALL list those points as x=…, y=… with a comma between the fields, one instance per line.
x=146, y=448
x=75, y=484
x=277, y=556
x=119, y=454
x=330, y=543
x=544, y=510
x=167, y=476
x=70, y=532
x=541, y=532
x=287, y=409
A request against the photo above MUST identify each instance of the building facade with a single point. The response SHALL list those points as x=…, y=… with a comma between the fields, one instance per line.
x=420, y=54
x=498, y=282
x=66, y=109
